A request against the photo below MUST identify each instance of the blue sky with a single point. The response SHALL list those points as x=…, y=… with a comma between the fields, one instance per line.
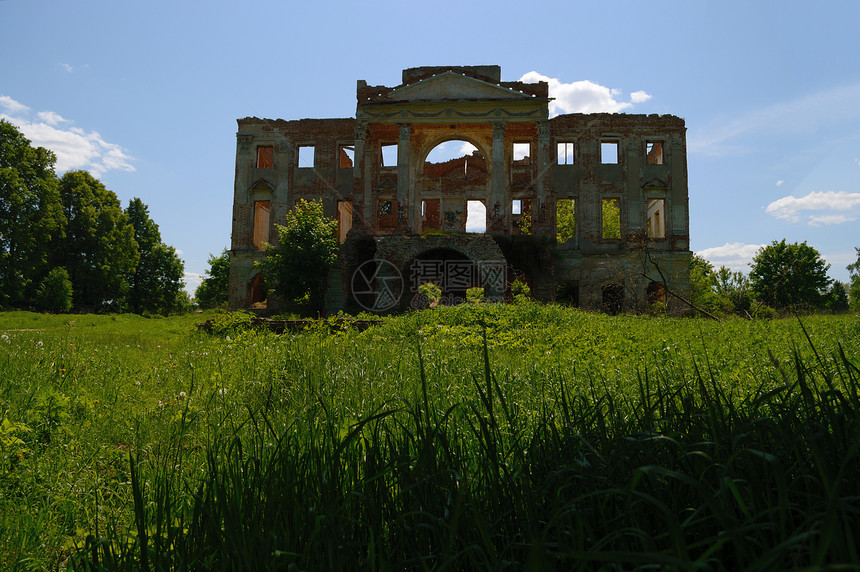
x=146, y=95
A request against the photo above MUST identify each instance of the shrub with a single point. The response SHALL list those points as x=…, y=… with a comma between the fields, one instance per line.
x=55, y=292
x=475, y=295
x=430, y=294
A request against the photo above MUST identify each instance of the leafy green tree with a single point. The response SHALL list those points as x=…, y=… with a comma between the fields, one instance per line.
x=611, y=218
x=703, y=282
x=789, y=275
x=157, y=279
x=215, y=289
x=836, y=298
x=565, y=220
x=55, y=292
x=30, y=214
x=98, y=249
x=298, y=266
x=733, y=290
x=854, y=283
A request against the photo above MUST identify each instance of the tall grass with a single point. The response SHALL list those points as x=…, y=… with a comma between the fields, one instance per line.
x=483, y=437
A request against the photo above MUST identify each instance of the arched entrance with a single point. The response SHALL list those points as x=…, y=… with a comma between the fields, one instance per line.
x=454, y=176
x=453, y=262
x=449, y=269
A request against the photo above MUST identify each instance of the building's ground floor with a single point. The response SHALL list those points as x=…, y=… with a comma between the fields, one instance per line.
x=383, y=274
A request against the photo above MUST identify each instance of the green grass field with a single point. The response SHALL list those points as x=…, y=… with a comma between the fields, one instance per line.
x=492, y=437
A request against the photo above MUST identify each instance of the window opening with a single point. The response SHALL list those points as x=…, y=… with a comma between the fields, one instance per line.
x=265, y=157
x=565, y=153
x=431, y=214
x=565, y=220
x=257, y=294
x=306, y=156
x=609, y=152
x=344, y=219
x=455, y=162
x=261, y=223
x=346, y=156
x=521, y=216
x=385, y=214
x=567, y=292
x=389, y=154
x=611, y=218
x=654, y=152
x=521, y=154
x=476, y=217
x=655, y=218
x=613, y=298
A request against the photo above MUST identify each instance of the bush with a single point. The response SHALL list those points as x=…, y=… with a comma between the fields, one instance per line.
x=55, y=292
x=475, y=295
x=430, y=294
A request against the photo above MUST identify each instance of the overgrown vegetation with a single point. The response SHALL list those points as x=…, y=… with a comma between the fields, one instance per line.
x=66, y=242
x=478, y=436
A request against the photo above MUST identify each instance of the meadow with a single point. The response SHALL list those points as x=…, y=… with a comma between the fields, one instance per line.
x=522, y=437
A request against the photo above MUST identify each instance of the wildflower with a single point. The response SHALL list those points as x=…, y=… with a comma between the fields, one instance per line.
x=182, y=395
x=222, y=391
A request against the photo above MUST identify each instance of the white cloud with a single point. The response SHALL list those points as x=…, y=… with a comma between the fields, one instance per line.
x=75, y=148
x=192, y=281
x=735, y=255
x=466, y=148
x=66, y=67
x=51, y=118
x=584, y=96
x=827, y=220
x=779, y=183
x=790, y=208
x=12, y=106
x=639, y=97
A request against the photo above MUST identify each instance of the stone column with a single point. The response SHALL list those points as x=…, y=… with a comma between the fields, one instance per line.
x=498, y=206
x=545, y=216
x=283, y=163
x=363, y=209
x=404, y=155
x=243, y=166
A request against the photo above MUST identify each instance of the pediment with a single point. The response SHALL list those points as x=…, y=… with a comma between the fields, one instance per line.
x=387, y=184
x=452, y=86
x=656, y=183
x=262, y=185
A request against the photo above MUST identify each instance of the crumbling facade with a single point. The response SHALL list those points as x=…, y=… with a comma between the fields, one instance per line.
x=589, y=209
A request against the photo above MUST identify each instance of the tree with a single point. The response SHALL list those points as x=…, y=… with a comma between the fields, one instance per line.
x=30, y=214
x=836, y=298
x=157, y=279
x=789, y=275
x=98, y=249
x=565, y=220
x=55, y=292
x=733, y=290
x=215, y=288
x=854, y=284
x=298, y=265
x=702, y=284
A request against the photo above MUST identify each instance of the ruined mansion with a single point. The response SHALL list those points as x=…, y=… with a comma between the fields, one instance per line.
x=587, y=209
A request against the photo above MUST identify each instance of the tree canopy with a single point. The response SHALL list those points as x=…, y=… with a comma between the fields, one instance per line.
x=157, y=280
x=854, y=283
x=215, y=288
x=307, y=246
x=68, y=241
x=789, y=275
x=30, y=214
